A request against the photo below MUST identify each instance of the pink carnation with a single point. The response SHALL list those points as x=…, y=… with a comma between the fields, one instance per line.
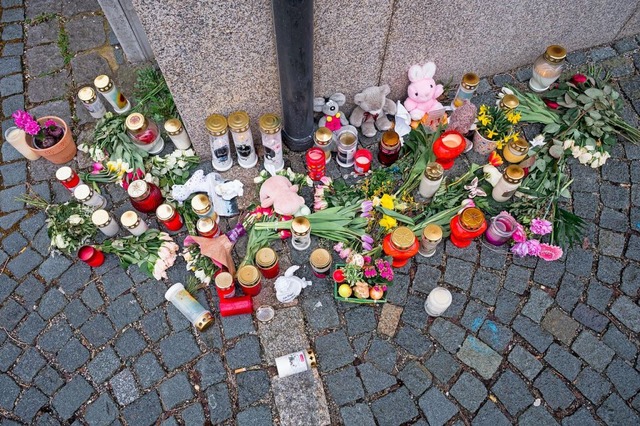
x=520, y=249
x=549, y=252
x=541, y=227
x=533, y=247
x=520, y=236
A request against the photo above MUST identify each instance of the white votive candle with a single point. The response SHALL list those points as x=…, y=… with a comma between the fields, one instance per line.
x=18, y=139
x=132, y=222
x=437, y=302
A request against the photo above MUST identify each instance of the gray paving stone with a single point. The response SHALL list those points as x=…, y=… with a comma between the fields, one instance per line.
x=30, y=328
x=624, y=378
x=148, y=370
x=103, y=365
x=565, y=363
x=485, y=286
x=45, y=32
x=571, y=289
x=627, y=312
x=426, y=279
x=124, y=311
x=86, y=66
x=76, y=313
x=98, y=330
x=28, y=365
x=333, y=351
x=631, y=280
x=613, y=220
x=91, y=297
x=101, y=412
x=442, y=365
x=116, y=282
x=52, y=267
x=10, y=392
x=507, y=306
x=344, y=387
x=524, y=74
x=474, y=315
x=180, y=348
x=48, y=380
x=437, y=407
x=458, y=273
x=130, y=344
x=11, y=314
x=85, y=33
x=56, y=337
x=469, y=392
x=585, y=205
x=151, y=294
x=517, y=279
x=8, y=354
x=416, y=378
x=12, y=173
x=562, y=326
x=414, y=313
x=320, y=311
x=611, y=243
x=359, y=414
x=48, y=87
x=373, y=379
x=12, y=32
x=413, y=341
x=145, y=411
x=13, y=15
x=176, y=319
x=124, y=387
x=457, y=306
x=592, y=385
x=12, y=104
x=30, y=292
x=13, y=49
x=609, y=269
x=212, y=338
x=626, y=45
x=580, y=261
x=71, y=7
x=620, y=343
x=7, y=285
x=75, y=393
x=616, y=197
x=383, y=355
x=193, y=415
x=484, y=360
x=261, y=415
x=72, y=355
x=360, y=320
x=549, y=273
x=500, y=80
x=30, y=403
x=252, y=387
x=155, y=325
x=495, y=335
x=512, y=392
x=582, y=417
x=361, y=343
x=218, y=396
x=75, y=278
x=591, y=318
x=449, y=335
x=528, y=364
x=175, y=391
x=8, y=220
x=43, y=59
x=397, y=293
x=554, y=391
x=24, y=263
x=593, y=351
x=614, y=411
x=490, y=414
x=536, y=416
x=539, y=301
x=394, y=408
x=532, y=333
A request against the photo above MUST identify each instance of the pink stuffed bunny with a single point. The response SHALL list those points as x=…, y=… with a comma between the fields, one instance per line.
x=423, y=91
x=277, y=191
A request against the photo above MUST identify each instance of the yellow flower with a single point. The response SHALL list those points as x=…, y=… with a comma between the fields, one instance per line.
x=387, y=201
x=388, y=222
x=483, y=109
x=484, y=120
x=375, y=201
x=490, y=134
x=500, y=143
x=513, y=117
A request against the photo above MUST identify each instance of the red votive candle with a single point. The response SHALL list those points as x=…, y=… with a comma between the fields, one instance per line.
x=316, y=163
x=248, y=278
x=267, y=262
x=91, y=256
x=225, y=286
x=236, y=306
x=145, y=196
x=68, y=177
x=363, y=159
x=169, y=217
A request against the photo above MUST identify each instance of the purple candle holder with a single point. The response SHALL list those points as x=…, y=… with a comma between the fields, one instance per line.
x=500, y=229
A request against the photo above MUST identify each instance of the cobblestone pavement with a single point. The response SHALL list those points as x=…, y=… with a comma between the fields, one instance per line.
x=524, y=341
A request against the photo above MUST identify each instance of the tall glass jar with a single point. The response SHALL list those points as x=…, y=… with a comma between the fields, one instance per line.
x=316, y=163
x=347, y=145
x=177, y=133
x=169, y=217
x=87, y=196
x=271, y=132
x=189, y=306
x=431, y=237
x=267, y=262
x=516, y=150
x=145, y=196
x=401, y=245
x=547, y=68
x=144, y=133
x=92, y=102
x=323, y=139
x=467, y=88
x=202, y=206
x=508, y=184
x=300, y=233
x=243, y=139
x=133, y=223
x=431, y=180
x=105, y=222
x=112, y=94
x=389, y=148
x=219, y=142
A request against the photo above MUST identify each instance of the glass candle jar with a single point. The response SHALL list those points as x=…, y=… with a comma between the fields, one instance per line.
x=225, y=287
x=347, y=145
x=267, y=262
x=145, y=196
x=431, y=180
x=547, y=68
x=68, y=178
x=431, y=237
x=501, y=229
x=248, y=278
x=516, y=150
x=243, y=139
x=401, y=245
x=17, y=138
x=448, y=147
x=177, y=133
x=87, y=196
x=362, y=161
x=316, y=163
x=508, y=184
x=91, y=256
x=219, y=142
x=238, y=305
x=466, y=226
x=320, y=261
x=189, y=307
x=271, y=133
x=300, y=233
x=202, y=206
x=509, y=102
x=323, y=139
x=207, y=227
x=438, y=300
x=389, y=148
x=105, y=223
x=467, y=88
x=169, y=217
x=132, y=222
x=144, y=133
x=112, y=94
x=92, y=102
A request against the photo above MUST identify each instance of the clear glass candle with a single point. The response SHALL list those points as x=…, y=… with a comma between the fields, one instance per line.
x=438, y=300
x=219, y=142
x=243, y=139
x=189, y=307
x=17, y=138
x=431, y=237
x=431, y=180
x=389, y=147
x=144, y=133
x=133, y=223
x=112, y=94
x=270, y=131
x=301, y=233
x=347, y=145
x=105, y=222
x=508, y=184
x=467, y=88
x=501, y=229
x=177, y=133
x=87, y=196
x=323, y=139
x=92, y=102
x=547, y=68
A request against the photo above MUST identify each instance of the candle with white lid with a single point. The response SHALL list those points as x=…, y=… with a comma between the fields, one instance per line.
x=438, y=301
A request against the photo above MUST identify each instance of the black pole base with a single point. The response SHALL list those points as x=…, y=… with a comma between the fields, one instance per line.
x=297, y=144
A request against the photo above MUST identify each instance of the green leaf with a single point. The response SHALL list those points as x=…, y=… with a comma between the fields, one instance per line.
x=593, y=92
x=551, y=128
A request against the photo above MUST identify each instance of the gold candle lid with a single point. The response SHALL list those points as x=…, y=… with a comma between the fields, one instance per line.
x=239, y=121
x=433, y=171
x=513, y=173
x=83, y=192
x=323, y=136
x=201, y=203
x=64, y=173
x=204, y=321
x=103, y=83
x=135, y=121
x=471, y=218
x=223, y=280
x=138, y=189
x=248, y=275
x=300, y=225
x=555, y=53
x=390, y=138
x=270, y=123
x=205, y=225
x=347, y=138
x=432, y=232
x=266, y=257
x=173, y=127
x=470, y=80
x=519, y=145
x=87, y=95
x=320, y=258
x=129, y=219
x=165, y=212
x=100, y=218
x=510, y=102
x=216, y=124
x=403, y=238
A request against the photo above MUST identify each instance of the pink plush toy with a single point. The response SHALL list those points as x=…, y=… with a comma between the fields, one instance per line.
x=277, y=191
x=423, y=91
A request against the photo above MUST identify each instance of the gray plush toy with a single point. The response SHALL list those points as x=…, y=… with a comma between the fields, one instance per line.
x=333, y=119
x=372, y=109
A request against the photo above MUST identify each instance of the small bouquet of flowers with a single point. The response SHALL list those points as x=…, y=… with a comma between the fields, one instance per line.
x=172, y=169
x=202, y=266
x=496, y=124
x=361, y=280
x=43, y=137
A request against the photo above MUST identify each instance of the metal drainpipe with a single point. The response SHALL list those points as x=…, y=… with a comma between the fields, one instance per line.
x=293, y=21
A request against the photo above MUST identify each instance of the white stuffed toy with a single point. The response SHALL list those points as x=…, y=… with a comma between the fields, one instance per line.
x=288, y=287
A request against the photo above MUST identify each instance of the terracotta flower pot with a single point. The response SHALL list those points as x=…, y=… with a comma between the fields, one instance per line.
x=60, y=153
x=482, y=145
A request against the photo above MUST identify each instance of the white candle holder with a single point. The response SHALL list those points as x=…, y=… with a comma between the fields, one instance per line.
x=437, y=301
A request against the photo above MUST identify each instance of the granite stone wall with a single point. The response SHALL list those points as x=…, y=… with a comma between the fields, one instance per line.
x=219, y=55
